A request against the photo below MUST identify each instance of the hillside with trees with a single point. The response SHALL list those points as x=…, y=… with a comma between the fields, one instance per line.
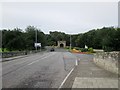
x=106, y=38
x=16, y=39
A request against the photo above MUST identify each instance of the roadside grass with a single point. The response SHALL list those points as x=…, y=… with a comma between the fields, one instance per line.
x=5, y=50
x=0, y=49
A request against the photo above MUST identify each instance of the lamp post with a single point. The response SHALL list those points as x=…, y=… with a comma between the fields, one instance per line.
x=36, y=40
x=70, y=42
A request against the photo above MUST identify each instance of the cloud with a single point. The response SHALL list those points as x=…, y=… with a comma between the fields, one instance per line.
x=67, y=17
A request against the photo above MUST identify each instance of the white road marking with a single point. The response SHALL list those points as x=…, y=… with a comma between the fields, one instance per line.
x=76, y=62
x=21, y=62
x=28, y=64
x=26, y=61
x=65, y=78
x=32, y=62
x=40, y=59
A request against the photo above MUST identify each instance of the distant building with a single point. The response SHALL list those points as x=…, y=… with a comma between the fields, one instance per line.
x=61, y=44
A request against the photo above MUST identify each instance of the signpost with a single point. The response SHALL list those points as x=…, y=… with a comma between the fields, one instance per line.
x=37, y=45
x=70, y=42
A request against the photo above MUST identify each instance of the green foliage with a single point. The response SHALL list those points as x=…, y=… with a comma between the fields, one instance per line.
x=17, y=40
x=84, y=49
x=67, y=47
x=55, y=36
x=30, y=37
x=77, y=48
x=106, y=38
x=90, y=50
x=0, y=49
x=12, y=39
x=4, y=50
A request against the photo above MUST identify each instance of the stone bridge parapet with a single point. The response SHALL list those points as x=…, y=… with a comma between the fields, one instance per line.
x=108, y=60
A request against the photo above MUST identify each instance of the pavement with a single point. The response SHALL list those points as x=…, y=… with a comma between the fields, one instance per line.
x=91, y=77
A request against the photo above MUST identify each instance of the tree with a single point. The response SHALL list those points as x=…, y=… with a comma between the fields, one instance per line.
x=107, y=38
x=31, y=37
x=16, y=39
x=117, y=39
x=74, y=38
x=13, y=39
x=55, y=36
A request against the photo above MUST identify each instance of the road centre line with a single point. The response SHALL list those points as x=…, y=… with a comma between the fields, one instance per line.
x=32, y=62
x=27, y=60
x=36, y=59
x=40, y=59
x=26, y=65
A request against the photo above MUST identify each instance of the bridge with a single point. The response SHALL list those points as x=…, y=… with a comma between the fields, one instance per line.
x=61, y=69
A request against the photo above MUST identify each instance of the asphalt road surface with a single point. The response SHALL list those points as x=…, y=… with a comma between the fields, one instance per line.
x=40, y=70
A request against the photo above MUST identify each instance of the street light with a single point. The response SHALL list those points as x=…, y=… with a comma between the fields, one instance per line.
x=36, y=39
x=70, y=42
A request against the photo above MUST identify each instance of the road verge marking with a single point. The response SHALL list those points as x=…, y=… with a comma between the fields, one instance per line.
x=65, y=79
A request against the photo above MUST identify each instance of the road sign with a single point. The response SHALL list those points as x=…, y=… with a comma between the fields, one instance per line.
x=37, y=44
x=86, y=47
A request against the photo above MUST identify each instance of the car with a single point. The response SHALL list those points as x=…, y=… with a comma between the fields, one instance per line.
x=52, y=49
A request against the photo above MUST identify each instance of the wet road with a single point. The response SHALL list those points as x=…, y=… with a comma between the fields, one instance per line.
x=41, y=70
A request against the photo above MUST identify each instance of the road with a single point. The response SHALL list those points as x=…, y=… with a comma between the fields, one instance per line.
x=40, y=70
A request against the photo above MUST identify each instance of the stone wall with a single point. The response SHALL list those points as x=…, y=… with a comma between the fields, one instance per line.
x=18, y=53
x=108, y=61
x=62, y=42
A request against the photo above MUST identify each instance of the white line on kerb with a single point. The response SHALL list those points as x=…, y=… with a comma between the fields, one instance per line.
x=65, y=79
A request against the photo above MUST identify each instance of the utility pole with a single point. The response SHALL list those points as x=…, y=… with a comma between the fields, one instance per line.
x=36, y=40
x=70, y=42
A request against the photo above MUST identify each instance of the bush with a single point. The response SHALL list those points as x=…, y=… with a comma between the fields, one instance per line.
x=84, y=49
x=90, y=50
x=67, y=47
x=77, y=48
x=108, y=49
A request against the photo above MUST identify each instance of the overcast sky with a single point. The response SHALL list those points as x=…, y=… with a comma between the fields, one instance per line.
x=71, y=18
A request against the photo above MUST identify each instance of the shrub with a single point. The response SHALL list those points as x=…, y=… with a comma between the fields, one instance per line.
x=77, y=48
x=90, y=50
x=108, y=49
x=84, y=49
